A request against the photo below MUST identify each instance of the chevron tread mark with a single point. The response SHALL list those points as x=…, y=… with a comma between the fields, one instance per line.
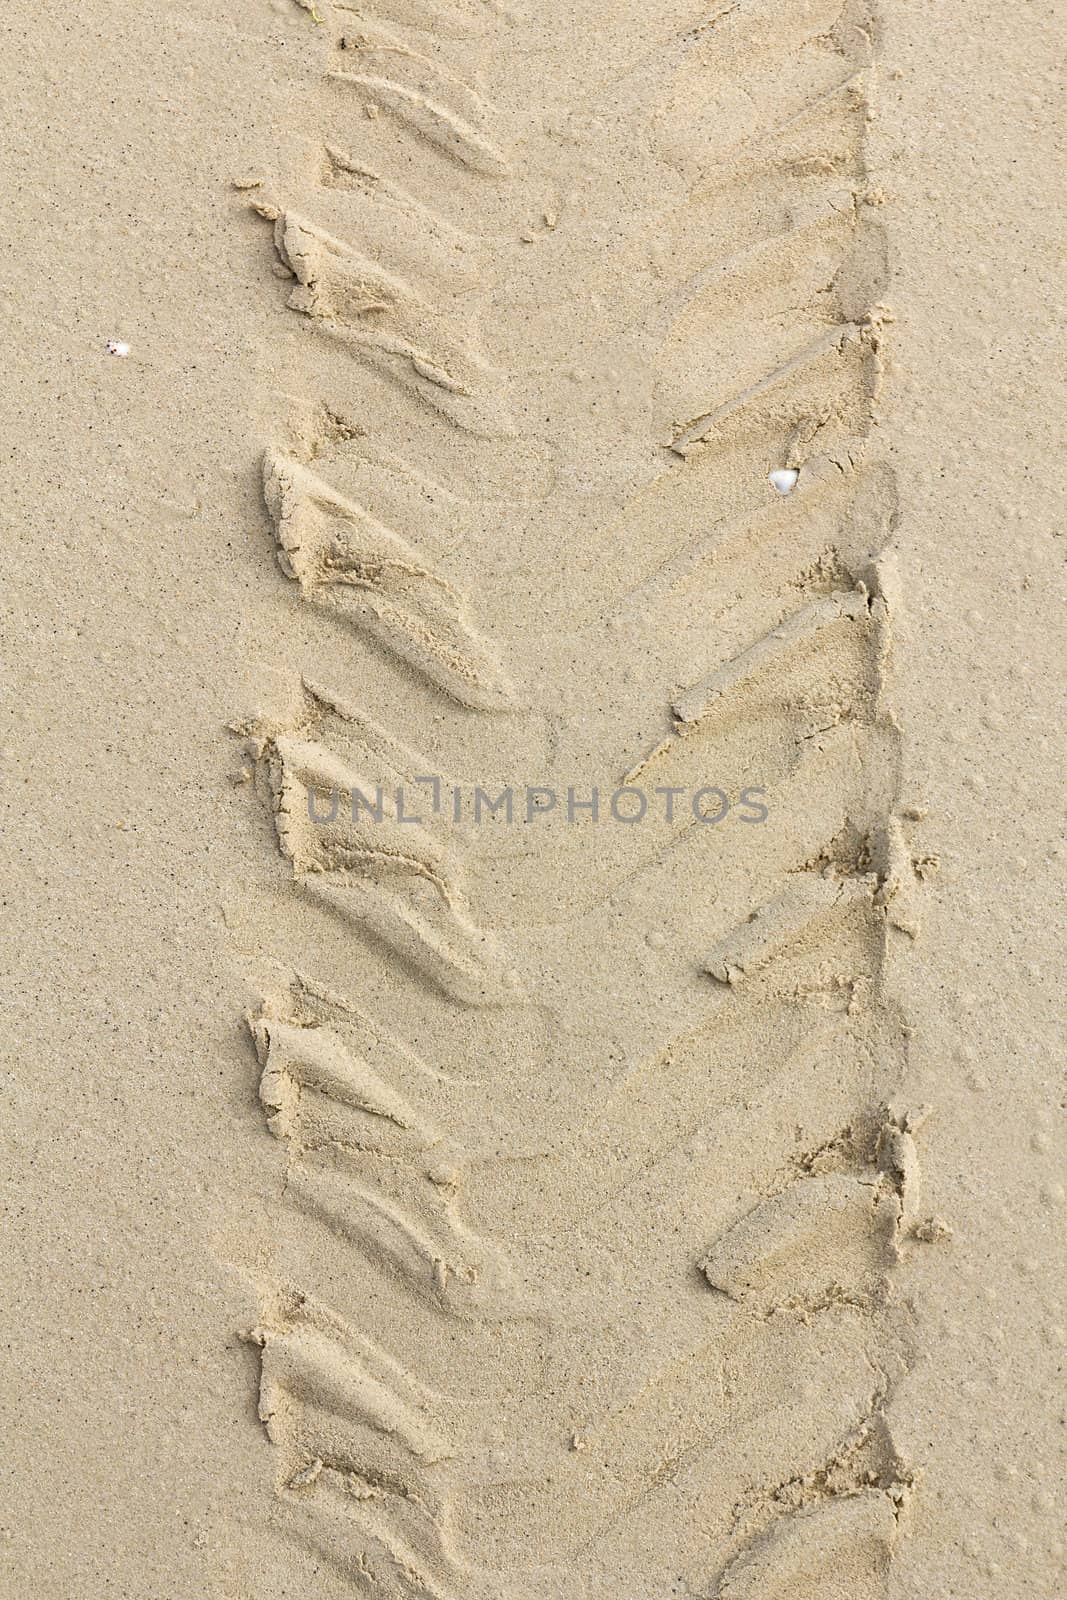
x=594, y=1163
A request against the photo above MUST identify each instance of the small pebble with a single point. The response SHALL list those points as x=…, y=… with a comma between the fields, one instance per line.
x=115, y=347
x=306, y=1474
x=784, y=479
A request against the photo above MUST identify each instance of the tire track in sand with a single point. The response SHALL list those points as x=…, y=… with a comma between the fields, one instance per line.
x=589, y=1276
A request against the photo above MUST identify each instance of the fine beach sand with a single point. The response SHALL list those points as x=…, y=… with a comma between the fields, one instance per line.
x=423, y=1205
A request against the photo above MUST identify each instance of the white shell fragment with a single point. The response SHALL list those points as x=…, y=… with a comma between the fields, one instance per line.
x=115, y=347
x=784, y=479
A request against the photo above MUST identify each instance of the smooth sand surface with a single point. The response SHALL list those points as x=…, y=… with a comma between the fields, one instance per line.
x=474, y=1208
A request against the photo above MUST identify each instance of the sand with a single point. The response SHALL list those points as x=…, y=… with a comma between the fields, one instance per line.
x=410, y=1199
